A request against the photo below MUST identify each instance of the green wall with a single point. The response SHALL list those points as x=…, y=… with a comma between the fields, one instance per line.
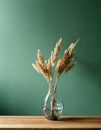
x=27, y=25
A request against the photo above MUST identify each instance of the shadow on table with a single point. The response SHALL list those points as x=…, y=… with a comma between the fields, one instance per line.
x=81, y=119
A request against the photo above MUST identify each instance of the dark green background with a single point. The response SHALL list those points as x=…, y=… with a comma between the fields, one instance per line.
x=25, y=26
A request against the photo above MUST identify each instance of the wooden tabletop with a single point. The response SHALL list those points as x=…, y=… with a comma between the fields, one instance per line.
x=40, y=122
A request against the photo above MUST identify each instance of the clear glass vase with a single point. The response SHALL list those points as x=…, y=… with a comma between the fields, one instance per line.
x=52, y=107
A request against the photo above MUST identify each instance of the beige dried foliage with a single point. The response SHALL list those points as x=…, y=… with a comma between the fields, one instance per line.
x=69, y=67
x=64, y=63
x=35, y=67
x=40, y=58
x=55, y=53
x=42, y=66
x=49, y=69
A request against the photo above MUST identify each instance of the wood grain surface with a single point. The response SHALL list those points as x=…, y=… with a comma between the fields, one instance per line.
x=40, y=122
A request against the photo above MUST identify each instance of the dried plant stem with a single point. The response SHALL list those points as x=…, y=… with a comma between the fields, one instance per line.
x=55, y=53
x=49, y=84
x=56, y=83
x=53, y=103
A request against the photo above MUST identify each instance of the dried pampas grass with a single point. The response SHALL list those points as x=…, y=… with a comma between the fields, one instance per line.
x=62, y=65
x=42, y=67
x=55, y=53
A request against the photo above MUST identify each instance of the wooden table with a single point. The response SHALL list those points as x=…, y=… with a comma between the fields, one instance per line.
x=40, y=122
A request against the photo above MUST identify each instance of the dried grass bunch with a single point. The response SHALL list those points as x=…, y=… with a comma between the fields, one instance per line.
x=46, y=68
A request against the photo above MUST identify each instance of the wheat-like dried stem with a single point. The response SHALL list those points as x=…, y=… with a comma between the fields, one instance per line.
x=49, y=69
x=55, y=53
x=64, y=63
x=56, y=83
x=43, y=67
x=35, y=67
x=46, y=68
x=40, y=57
x=69, y=67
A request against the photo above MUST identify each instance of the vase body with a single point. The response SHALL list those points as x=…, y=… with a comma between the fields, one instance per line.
x=52, y=107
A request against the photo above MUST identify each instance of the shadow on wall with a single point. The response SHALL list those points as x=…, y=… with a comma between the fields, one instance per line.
x=3, y=109
x=90, y=60
x=14, y=102
x=92, y=70
x=3, y=100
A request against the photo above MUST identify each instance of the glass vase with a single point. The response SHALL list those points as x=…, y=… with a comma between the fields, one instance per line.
x=52, y=107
